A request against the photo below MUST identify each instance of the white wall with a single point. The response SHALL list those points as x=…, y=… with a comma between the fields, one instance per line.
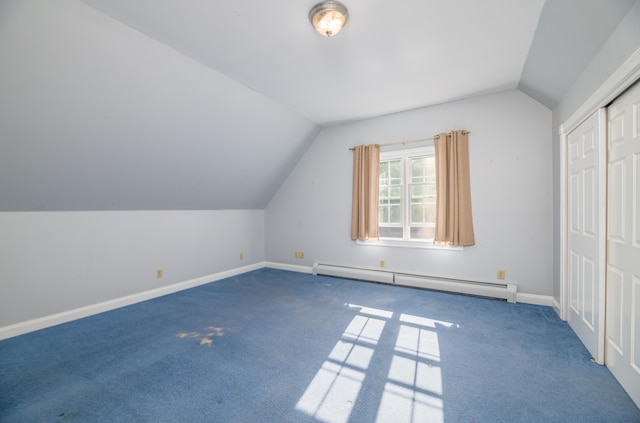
x=52, y=262
x=511, y=183
x=622, y=43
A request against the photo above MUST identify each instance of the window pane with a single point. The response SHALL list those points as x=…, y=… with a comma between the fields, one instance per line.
x=418, y=191
x=430, y=212
x=417, y=213
x=395, y=169
x=430, y=166
x=383, y=214
x=422, y=233
x=418, y=168
x=384, y=171
x=395, y=192
x=395, y=214
x=390, y=232
x=429, y=176
x=390, y=172
x=418, y=165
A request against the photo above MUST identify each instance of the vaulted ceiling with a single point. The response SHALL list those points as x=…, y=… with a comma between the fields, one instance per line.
x=194, y=104
x=392, y=56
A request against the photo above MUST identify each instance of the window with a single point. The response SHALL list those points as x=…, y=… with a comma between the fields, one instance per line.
x=407, y=207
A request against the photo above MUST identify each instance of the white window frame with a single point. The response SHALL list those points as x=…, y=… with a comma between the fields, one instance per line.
x=407, y=242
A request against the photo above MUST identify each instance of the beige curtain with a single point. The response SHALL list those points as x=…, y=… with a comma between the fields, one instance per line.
x=366, y=175
x=454, y=223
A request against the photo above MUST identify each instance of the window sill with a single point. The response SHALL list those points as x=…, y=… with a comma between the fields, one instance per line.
x=409, y=244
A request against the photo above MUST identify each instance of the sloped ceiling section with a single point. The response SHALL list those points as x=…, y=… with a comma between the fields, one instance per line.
x=95, y=115
x=569, y=35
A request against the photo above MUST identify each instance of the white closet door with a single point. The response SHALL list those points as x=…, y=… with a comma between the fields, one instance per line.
x=586, y=231
x=623, y=260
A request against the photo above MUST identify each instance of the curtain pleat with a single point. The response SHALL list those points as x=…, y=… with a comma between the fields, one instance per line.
x=454, y=222
x=366, y=175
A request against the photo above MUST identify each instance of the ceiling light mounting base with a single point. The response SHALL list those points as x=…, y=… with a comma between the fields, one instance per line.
x=329, y=17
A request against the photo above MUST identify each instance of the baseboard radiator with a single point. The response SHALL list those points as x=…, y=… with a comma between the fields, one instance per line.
x=505, y=291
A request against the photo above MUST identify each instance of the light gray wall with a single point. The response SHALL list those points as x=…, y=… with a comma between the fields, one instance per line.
x=511, y=183
x=95, y=115
x=51, y=262
x=621, y=44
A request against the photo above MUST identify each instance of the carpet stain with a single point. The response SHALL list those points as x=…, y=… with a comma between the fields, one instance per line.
x=205, y=336
x=218, y=331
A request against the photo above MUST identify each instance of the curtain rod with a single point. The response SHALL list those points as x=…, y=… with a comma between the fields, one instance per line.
x=435, y=137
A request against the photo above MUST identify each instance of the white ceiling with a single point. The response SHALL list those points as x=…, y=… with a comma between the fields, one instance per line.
x=391, y=56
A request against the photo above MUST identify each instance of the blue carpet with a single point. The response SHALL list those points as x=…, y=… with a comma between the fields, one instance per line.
x=277, y=346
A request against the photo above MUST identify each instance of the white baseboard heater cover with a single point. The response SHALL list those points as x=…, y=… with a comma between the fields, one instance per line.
x=506, y=291
x=353, y=273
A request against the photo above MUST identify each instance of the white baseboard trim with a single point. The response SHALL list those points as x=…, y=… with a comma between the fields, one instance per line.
x=556, y=306
x=90, y=310
x=79, y=313
x=290, y=267
x=535, y=299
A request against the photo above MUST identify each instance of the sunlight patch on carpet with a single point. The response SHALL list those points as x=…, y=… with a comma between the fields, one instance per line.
x=414, y=388
x=414, y=391
x=332, y=393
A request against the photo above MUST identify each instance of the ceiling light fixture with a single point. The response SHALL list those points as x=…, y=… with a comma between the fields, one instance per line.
x=328, y=17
